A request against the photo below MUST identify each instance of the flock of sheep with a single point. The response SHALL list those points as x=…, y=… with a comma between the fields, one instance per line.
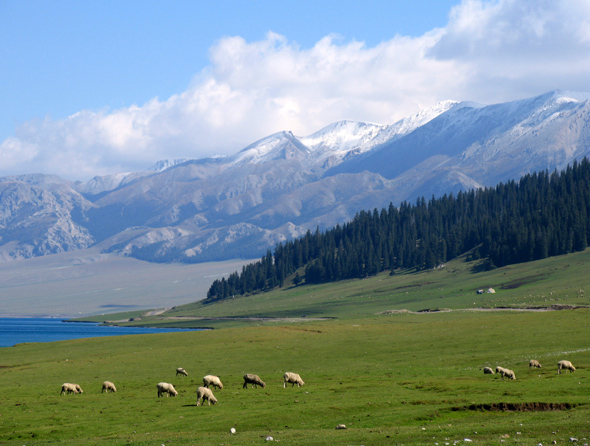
x=204, y=393
x=533, y=363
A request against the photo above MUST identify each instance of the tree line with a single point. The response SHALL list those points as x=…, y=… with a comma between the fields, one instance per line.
x=541, y=215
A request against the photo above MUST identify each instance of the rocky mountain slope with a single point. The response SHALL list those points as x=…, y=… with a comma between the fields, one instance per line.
x=283, y=185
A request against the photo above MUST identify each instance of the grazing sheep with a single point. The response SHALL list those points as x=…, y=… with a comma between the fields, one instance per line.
x=488, y=371
x=505, y=372
x=204, y=393
x=68, y=388
x=254, y=380
x=181, y=371
x=107, y=385
x=508, y=373
x=565, y=365
x=533, y=363
x=212, y=380
x=166, y=388
x=293, y=378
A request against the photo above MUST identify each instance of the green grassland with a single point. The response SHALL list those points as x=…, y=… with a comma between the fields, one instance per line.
x=554, y=281
x=390, y=377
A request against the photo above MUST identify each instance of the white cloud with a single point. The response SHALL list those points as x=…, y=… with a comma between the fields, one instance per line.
x=490, y=51
x=517, y=48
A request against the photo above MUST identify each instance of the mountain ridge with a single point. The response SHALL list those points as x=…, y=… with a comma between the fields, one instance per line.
x=281, y=186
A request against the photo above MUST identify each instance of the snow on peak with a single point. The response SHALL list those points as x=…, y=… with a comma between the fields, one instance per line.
x=276, y=146
x=562, y=96
x=411, y=123
x=342, y=136
x=165, y=164
x=337, y=141
x=103, y=183
x=345, y=136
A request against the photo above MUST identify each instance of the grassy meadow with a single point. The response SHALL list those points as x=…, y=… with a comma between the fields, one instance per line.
x=555, y=281
x=391, y=377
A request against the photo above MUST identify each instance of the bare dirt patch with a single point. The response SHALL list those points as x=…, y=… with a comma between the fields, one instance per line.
x=517, y=407
x=427, y=310
x=555, y=307
x=447, y=310
x=245, y=318
x=157, y=312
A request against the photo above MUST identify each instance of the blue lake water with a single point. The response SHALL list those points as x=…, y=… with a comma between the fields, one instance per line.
x=18, y=330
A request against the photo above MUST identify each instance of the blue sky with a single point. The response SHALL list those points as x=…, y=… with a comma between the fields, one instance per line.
x=60, y=57
x=98, y=87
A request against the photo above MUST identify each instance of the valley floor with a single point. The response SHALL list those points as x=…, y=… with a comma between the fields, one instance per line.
x=390, y=379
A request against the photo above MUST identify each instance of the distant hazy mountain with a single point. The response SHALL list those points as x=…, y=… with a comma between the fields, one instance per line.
x=283, y=185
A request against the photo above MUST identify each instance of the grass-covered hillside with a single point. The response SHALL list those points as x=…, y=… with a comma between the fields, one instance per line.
x=561, y=280
x=390, y=377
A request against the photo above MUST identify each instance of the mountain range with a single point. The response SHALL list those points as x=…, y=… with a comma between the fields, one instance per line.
x=238, y=206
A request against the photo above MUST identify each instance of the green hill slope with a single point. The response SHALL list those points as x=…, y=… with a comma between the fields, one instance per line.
x=556, y=281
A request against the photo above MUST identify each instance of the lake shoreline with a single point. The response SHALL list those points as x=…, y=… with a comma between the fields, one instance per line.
x=14, y=331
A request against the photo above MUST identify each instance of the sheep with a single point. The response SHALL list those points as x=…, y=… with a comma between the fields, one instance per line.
x=181, y=371
x=204, y=393
x=293, y=378
x=509, y=373
x=254, y=380
x=166, y=388
x=565, y=365
x=488, y=371
x=212, y=380
x=78, y=388
x=505, y=372
x=68, y=388
x=107, y=385
x=533, y=363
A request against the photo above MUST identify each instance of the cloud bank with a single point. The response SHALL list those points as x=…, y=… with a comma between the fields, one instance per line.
x=490, y=51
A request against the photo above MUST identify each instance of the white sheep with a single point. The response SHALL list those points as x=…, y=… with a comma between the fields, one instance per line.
x=565, y=365
x=293, y=378
x=254, y=380
x=107, y=385
x=505, y=372
x=204, y=393
x=212, y=380
x=166, y=388
x=488, y=371
x=181, y=371
x=508, y=373
x=68, y=388
x=533, y=363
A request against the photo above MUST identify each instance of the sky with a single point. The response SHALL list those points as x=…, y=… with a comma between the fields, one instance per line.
x=101, y=87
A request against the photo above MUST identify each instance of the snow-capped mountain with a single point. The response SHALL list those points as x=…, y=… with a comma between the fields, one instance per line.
x=335, y=142
x=473, y=145
x=283, y=185
x=105, y=183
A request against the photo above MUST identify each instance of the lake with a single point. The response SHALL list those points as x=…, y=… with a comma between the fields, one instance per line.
x=18, y=330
